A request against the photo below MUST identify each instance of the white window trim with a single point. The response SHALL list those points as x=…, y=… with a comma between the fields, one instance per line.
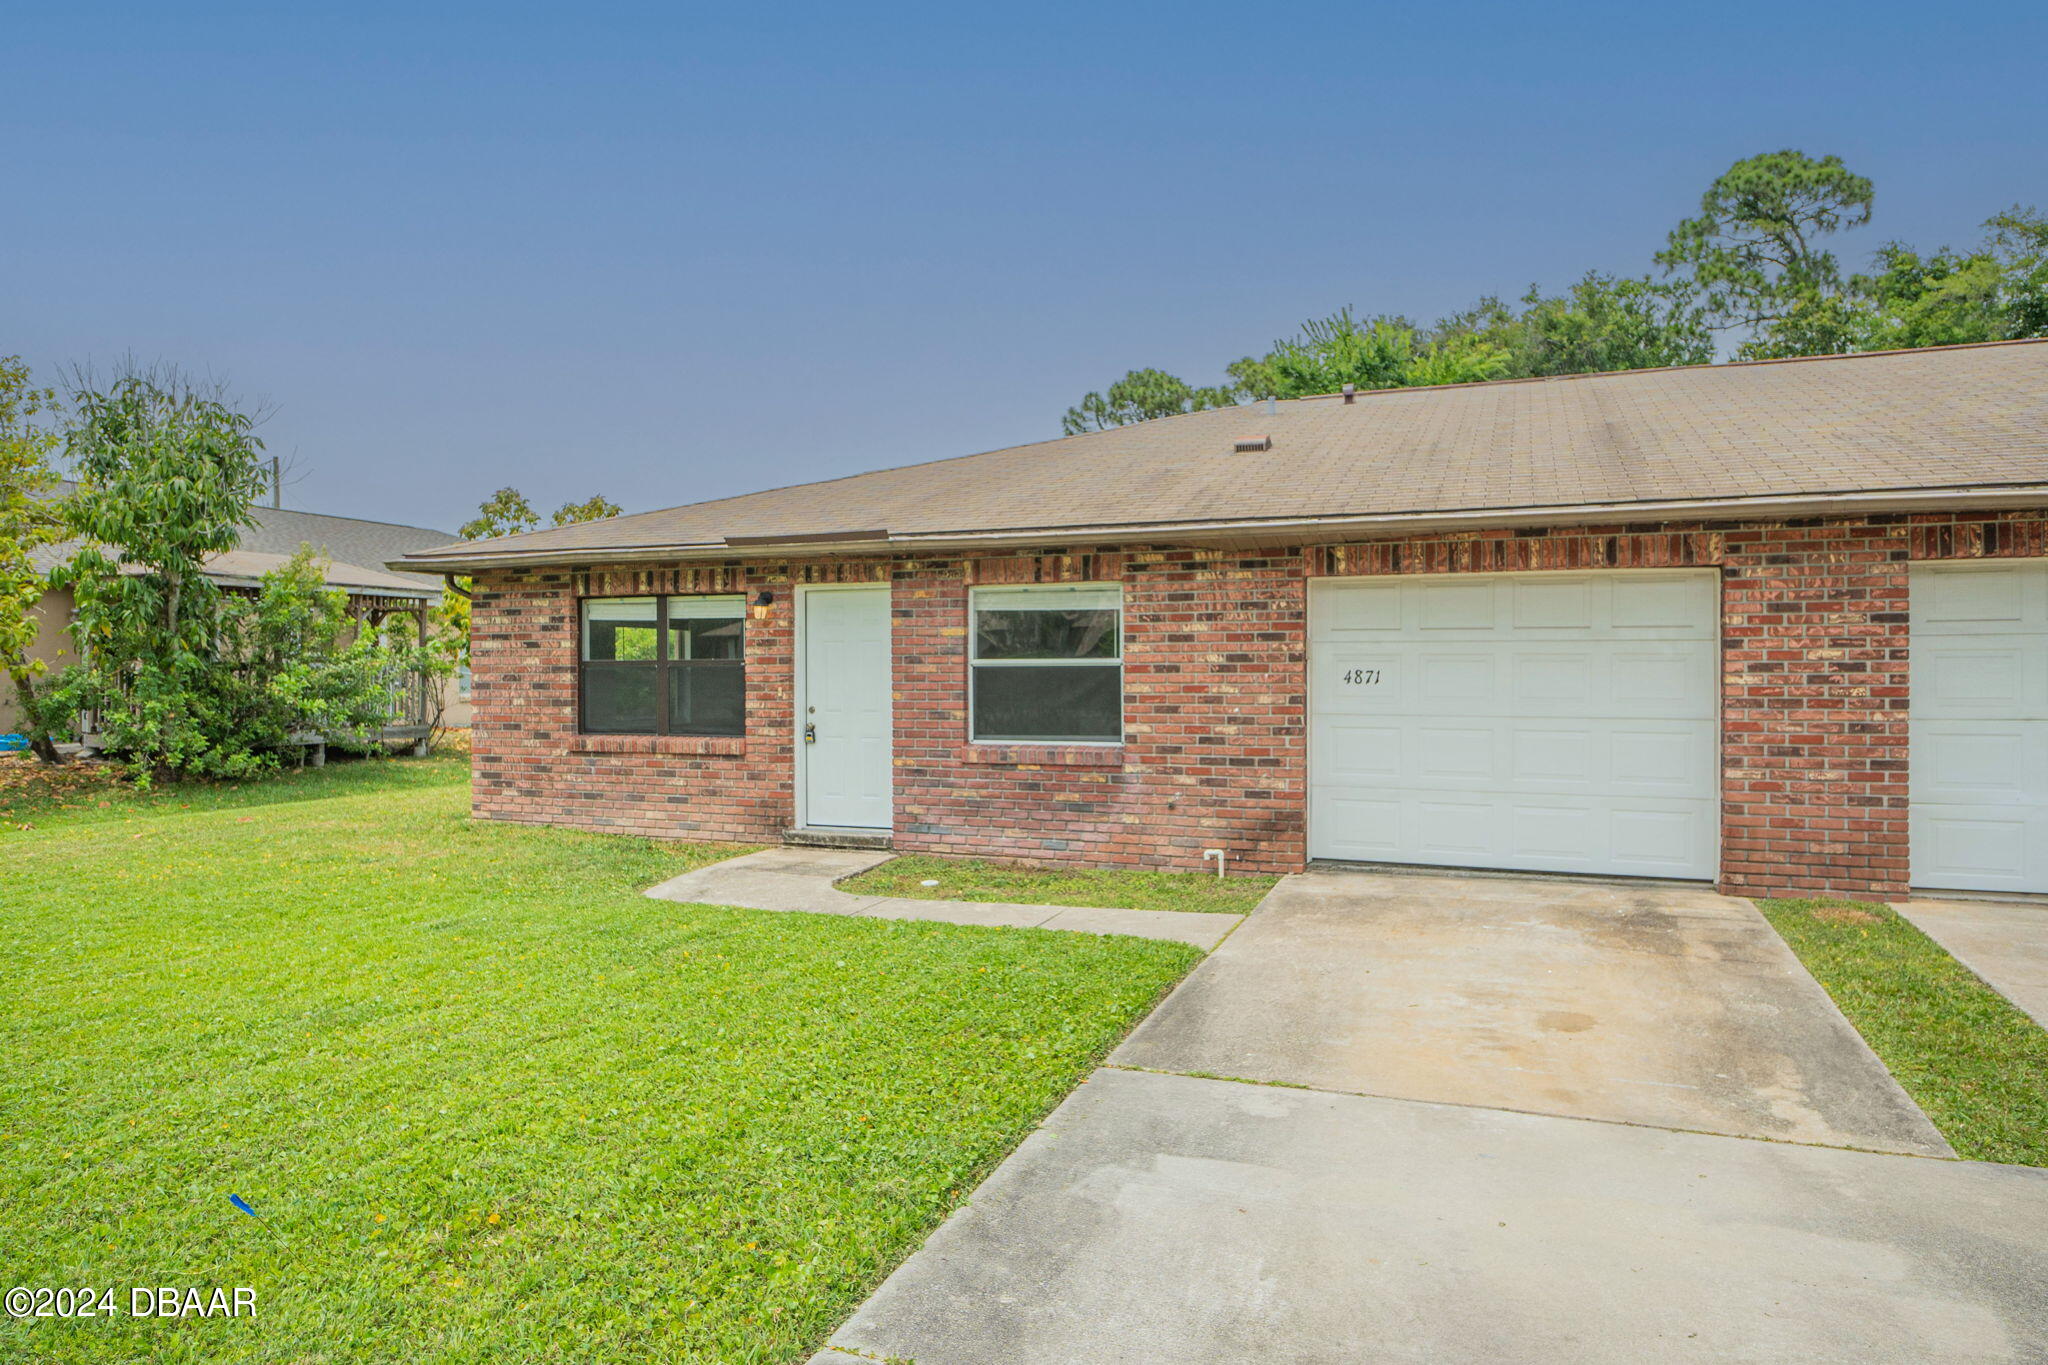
x=1046, y=597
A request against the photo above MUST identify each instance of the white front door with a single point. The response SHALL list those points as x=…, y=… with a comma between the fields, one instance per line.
x=844, y=716
x=1562, y=722
x=1979, y=718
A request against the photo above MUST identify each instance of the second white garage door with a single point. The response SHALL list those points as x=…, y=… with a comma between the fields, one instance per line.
x=1979, y=755
x=1557, y=722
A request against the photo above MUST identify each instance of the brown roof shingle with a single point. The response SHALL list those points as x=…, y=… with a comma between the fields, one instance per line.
x=1955, y=417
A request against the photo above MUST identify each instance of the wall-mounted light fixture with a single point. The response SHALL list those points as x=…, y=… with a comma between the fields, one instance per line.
x=763, y=600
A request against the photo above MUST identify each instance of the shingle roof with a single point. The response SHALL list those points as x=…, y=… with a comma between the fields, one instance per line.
x=358, y=550
x=1942, y=418
x=247, y=567
x=282, y=530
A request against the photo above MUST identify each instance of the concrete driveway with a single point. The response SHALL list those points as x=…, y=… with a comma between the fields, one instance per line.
x=1489, y=1160
x=2004, y=943
x=1170, y=1218
x=1646, y=1004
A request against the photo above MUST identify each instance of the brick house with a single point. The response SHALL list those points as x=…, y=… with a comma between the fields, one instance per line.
x=1782, y=626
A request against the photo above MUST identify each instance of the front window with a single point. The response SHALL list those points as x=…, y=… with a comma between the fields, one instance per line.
x=664, y=665
x=1048, y=665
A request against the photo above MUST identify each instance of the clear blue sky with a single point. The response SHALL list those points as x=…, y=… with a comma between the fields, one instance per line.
x=671, y=252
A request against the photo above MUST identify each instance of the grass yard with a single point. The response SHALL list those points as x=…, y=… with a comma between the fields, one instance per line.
x=1966, y=1054
x=971, y=879
x=490, y=1103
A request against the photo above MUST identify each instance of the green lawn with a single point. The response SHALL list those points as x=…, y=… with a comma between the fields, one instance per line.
x=490, y=1103
x=1967, y=1055
x=970, y=879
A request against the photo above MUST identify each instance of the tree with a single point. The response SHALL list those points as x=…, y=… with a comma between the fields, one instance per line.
x=1754, y=250
x=184, y=677
x=2019, y=242
x=1600, y=324
x=504, y=513
x=1377, y=353
x=1755, y=260
x=594, y=508
x=1140, y=396
x=1998, y=292
x=28, y=521
x=166, y=473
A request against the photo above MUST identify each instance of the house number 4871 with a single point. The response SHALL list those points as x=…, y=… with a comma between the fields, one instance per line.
x=1361, y=677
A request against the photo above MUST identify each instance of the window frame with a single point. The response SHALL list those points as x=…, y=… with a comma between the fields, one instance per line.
x=1106, y=595
x=661, y=663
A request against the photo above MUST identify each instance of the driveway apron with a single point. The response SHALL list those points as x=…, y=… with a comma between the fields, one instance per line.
x=1653, y=1004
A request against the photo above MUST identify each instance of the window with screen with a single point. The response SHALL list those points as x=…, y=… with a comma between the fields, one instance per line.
x=664, y=665
x=1047, y=665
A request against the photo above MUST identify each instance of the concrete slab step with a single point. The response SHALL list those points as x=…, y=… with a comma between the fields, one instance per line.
x=837, y=838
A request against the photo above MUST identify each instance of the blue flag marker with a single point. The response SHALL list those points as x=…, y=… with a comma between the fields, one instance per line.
x=236, y=1200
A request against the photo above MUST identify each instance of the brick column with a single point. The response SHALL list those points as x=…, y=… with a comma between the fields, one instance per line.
x=1813, y=710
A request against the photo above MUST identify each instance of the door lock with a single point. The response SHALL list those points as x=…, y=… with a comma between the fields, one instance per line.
x=811, y=732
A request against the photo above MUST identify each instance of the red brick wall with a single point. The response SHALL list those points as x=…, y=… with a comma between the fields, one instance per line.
x=1214, y=754
x=1814, y=697
x=1813, y=709
x=531, y=764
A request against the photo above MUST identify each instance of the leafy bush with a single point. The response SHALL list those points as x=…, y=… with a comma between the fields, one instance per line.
x=181, y=675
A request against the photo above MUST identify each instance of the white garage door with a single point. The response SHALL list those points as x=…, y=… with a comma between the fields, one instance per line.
x=1979, y=748
x=1560, y=722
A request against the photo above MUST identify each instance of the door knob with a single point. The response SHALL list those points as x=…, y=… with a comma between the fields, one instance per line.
x=811, y=733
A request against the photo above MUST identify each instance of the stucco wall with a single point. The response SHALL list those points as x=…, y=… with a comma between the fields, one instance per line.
x=52, y=647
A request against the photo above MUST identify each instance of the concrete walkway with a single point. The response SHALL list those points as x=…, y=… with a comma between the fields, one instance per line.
x=802, y=879
x=1662, y=1005
x=2004, y=943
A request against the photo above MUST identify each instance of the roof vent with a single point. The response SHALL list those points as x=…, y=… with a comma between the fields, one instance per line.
x=1244, y=444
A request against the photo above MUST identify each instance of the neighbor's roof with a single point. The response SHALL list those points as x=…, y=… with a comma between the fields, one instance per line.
x=1967, y=420
x=245, y=568
x=351, y=545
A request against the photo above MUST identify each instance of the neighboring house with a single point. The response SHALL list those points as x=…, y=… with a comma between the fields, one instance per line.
x=356, y=551
x=1782, y=626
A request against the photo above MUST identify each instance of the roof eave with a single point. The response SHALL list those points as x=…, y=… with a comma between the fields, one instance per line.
x=1278, y=530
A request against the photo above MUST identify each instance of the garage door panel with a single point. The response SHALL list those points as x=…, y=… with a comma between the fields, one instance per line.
x=1556, y=682
x=1988, y=599
x=1454, y=831
x=1662, y=681
x=1553, y=831
x=1459, y=682
x=1558, y=605
x=1458, y=756
x=1365, y=829
x=1543, y=757
x=1964, y=761
x=1974, y=681
x=1982, y=848
x=1518, y=724
x=1683, y=606
x=1374, y=609
x=1462, y=604
x=1652, y=839
x=1660, y=759
x=1978, y=755
x=1363, y=752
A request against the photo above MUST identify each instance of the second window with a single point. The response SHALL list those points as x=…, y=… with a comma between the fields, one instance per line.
x=1047, y=665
